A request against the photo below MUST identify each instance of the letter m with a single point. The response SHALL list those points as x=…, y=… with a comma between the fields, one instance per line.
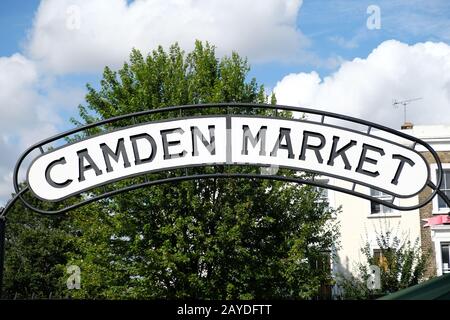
x=248, y=136
x=120, y=151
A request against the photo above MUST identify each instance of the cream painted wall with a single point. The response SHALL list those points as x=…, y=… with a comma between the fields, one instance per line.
x=357, y=224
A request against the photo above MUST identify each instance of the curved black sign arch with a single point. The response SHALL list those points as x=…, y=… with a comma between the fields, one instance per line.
x=329, y=146
x=373, y=157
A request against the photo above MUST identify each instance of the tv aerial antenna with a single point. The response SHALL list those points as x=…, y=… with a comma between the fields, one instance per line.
x=404, y=103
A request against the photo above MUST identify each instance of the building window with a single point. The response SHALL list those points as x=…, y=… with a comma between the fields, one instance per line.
x=445, y=187
x=379, y=259
x=322, y=192
x=376, y=208
x=445, y=254
x=377, y=255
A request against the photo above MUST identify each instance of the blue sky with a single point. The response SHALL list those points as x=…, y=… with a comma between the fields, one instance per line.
x=335, y=29
x=15, y=19
x=338, y=29
x=312, y=53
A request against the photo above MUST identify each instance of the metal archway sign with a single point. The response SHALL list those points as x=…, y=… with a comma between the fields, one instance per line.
x=357, y=152
x=330, y=146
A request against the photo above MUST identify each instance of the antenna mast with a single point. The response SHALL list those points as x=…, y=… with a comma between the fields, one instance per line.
x=404, y=103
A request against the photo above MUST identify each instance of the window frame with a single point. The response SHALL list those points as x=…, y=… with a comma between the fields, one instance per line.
x=447, y=244
x=435, y=202
x=330, y=192
x=391, y=212
x=325, y=181
x=322, y=198
x=439, y=234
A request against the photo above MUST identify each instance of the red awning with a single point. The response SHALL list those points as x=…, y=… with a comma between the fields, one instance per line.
x=437, y=220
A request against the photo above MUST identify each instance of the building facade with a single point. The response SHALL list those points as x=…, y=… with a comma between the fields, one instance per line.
x=361, y=220
x=435, y=225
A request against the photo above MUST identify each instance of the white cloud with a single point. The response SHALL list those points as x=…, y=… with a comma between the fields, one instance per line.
x=365, y=88
x=29, y=109
x=78, y=35
x=17, y=76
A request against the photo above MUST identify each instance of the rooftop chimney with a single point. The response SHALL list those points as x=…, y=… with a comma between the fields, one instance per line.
x=407, y=125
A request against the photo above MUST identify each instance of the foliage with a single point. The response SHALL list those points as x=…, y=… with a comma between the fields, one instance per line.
x=402, y=264
x=36, y=254
x=212, y=239
x=208, y=239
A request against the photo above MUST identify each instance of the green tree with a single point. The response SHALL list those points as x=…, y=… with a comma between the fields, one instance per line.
x=36, y=253
x=212, y=238
x=402, y=264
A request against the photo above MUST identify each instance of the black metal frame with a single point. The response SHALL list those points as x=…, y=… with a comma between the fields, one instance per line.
x=323, y=115
x=369, y=126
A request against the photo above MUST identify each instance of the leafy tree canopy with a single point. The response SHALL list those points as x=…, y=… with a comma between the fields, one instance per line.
x=209, y=239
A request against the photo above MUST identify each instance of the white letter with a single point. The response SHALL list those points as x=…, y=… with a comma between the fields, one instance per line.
x=73, y=21
x=74, y=280
x=374, y=281
x=374, y=20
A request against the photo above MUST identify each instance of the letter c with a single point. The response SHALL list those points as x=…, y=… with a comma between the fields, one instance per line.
x=54, y=184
